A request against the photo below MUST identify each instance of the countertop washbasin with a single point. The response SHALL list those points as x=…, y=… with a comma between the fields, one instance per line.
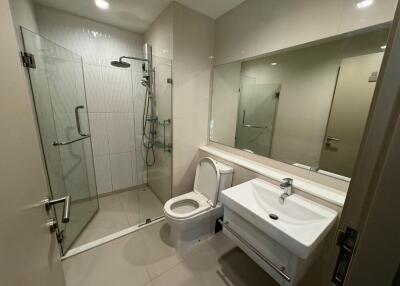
x=297, y=224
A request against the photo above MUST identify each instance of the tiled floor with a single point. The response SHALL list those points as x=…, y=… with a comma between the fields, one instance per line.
x=146, y=258
x=119, y=211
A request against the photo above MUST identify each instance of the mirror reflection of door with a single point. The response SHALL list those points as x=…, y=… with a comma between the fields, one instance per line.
x=256, y=116
x=351, y=103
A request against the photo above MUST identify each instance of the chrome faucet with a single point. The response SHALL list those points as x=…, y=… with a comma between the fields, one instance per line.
x=287, y=186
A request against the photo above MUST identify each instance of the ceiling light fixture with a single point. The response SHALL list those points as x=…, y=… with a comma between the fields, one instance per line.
x=383, y=47
x=102, y=4
x=274, y=64
x=364, y=4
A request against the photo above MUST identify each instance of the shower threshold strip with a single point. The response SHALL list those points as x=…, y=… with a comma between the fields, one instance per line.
x=111, y=237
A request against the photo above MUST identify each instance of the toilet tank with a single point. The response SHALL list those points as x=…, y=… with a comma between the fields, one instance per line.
x=226, y=175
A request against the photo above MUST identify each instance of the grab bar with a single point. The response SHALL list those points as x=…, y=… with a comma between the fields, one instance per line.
x=78, y=120
x=249, y=125
x=55, y=143
x=277, y=268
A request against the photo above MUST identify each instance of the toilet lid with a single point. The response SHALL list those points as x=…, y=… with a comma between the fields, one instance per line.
x=206, y=181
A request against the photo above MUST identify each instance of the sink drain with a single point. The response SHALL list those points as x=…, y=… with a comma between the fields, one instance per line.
x=273, y=216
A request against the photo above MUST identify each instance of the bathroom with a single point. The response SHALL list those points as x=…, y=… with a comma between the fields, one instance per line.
x=234, y=142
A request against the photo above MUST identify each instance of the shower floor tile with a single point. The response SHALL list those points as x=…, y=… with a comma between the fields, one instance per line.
x=146, y=258
x=119, y=211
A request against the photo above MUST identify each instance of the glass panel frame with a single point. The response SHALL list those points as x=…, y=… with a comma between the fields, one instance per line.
x=59, y=97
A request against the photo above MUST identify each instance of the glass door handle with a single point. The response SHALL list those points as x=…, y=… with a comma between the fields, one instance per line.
x=78, y=120
x=66, y=210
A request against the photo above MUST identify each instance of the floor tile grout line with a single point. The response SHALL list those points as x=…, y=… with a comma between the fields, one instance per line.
x=166, y=271
x=124, y=208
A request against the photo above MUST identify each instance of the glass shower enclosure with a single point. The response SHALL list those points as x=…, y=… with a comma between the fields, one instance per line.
x=159, y=174
x=57, y=82
x=256, y=115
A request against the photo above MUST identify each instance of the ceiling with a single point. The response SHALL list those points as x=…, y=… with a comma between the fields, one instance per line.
x=136, y=15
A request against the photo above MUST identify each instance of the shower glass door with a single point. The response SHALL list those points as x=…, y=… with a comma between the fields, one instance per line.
x=256, y=116
x=60, y=102
x=159, y=175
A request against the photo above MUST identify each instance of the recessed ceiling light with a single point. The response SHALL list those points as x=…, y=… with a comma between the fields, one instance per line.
x=274, y=64
x=102, y=4
x=364, y=4
x=383, y=47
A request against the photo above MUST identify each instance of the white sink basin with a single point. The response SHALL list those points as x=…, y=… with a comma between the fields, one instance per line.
x=301, y=223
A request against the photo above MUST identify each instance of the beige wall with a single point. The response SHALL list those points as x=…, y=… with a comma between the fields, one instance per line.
x=29, y=253
x=262, y=26
x=187, y=37
x=193, y=43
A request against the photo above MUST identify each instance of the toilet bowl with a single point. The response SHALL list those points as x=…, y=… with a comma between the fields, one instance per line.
x=192, y=216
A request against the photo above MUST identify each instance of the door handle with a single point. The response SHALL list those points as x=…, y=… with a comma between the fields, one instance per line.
x=330, y=139
x=78, y=120
x=66, y=210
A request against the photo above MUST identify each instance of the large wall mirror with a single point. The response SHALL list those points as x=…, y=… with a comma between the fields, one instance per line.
x=306, y=106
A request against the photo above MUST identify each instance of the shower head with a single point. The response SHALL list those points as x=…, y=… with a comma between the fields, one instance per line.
x=120, y=64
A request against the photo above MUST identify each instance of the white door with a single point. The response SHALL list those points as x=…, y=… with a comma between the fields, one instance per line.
x=29, y=253
x=353, y=94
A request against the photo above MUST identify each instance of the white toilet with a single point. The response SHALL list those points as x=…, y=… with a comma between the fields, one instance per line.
x=192, y=216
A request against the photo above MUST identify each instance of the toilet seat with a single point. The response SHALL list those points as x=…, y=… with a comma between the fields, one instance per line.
x=191, y=199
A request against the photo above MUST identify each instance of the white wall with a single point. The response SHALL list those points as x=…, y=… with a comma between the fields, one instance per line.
x=193, y=42
x=262, y=26
x=160, y=34
x=115, y=96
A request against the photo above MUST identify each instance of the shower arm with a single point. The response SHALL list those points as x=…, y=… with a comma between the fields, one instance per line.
x=133, y=58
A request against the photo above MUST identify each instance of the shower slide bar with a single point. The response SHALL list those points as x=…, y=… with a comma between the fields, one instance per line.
x=277, y=268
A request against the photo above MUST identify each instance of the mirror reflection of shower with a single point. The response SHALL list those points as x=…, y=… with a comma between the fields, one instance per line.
x=149, y=115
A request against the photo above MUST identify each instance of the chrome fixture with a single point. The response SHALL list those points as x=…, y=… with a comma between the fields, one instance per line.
x=66, y=210
x=287, y=186
x=329, y=140
x=149, y=114
x=78, y=127
x=78, y=121
x=62, y=143
x=278, y=268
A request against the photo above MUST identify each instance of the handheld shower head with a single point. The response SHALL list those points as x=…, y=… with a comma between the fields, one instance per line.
x=120, y=64
x=145, y=82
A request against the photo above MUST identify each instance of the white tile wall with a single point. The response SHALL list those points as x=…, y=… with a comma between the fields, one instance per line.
x=103, y=173
x=121, y=170
x=114, y=95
